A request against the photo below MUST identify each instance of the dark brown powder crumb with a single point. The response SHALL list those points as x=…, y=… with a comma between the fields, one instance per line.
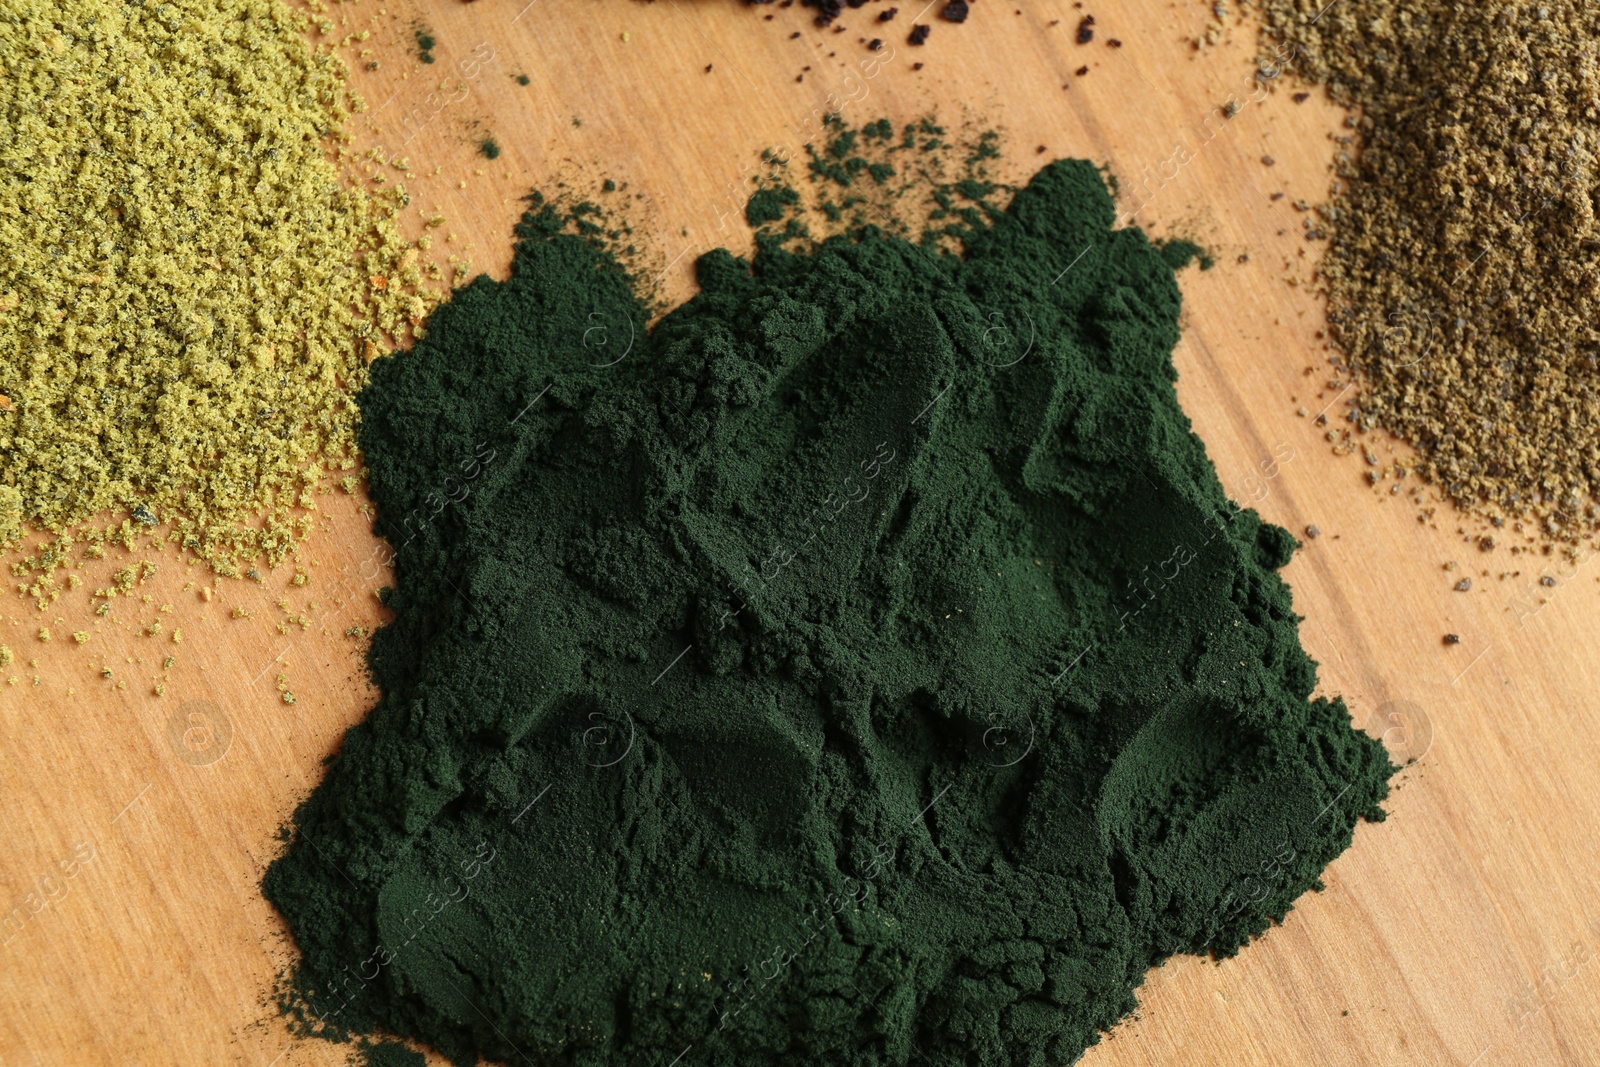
x=1449, y=639
x=1081, y=71
x=919, y=34
x=1086, y=29
x=875, y=44
x=885, y=16
x=954, y=11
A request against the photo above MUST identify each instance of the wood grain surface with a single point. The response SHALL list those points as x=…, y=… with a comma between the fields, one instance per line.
x=1461, y=931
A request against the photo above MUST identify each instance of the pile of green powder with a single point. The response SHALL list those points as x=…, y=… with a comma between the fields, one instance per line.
x=188, y=295
x=862, y=667
x=1463, y=278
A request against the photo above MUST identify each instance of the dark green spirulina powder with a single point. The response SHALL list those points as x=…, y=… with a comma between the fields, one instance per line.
x=864, y=666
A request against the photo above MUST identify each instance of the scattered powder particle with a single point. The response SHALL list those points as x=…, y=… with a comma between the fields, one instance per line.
x=489, y=148
x=10, y=506
x=390, y=1054
x=770, y=204
x=919, y=34
x=6, y=655
x=80, y=636
x=44, y=633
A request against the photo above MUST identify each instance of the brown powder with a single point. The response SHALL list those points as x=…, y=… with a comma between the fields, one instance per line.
x=1463, y=278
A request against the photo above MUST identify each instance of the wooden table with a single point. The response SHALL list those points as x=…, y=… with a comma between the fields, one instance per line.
x=1462, y=931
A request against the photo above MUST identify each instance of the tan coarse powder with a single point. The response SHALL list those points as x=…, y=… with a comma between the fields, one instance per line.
x=1463, y=278
x=188, y=295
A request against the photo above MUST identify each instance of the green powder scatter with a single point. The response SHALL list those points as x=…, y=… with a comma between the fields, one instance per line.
x=881, y=130
x=768, y=205
x=489, y=148
x=425, y=44
x=10, y=515
x=188, y=296
x=932, y=191
x=390, y=1054
x=864, y=668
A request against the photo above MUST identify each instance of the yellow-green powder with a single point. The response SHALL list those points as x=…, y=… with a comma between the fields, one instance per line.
x=188, y=295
